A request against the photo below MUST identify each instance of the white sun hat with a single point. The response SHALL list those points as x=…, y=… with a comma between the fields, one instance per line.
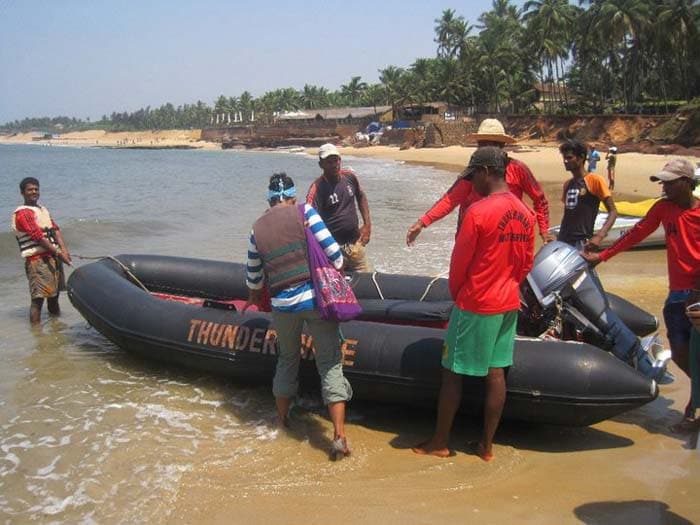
x=491, y=129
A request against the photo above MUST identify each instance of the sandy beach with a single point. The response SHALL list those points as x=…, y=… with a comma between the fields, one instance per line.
x=123, y=139
x=630, y=469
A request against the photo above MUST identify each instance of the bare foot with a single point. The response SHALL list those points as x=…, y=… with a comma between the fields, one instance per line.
x=339, y=448
x=687, y=425
x=424, y=449
x=477, y=448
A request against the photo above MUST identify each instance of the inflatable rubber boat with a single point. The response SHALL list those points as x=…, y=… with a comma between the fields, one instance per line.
x=186, y=312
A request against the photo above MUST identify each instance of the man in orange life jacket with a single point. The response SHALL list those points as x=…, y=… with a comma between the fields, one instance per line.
x=42, y=247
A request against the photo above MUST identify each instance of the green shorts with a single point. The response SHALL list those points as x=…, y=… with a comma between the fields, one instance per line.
x=476, y=342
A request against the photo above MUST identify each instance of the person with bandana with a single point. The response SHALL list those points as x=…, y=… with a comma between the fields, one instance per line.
x=277, y=257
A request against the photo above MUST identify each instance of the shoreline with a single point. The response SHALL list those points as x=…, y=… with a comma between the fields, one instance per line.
x=632, y=179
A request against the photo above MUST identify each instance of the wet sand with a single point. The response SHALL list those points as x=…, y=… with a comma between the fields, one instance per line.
x=630, y=469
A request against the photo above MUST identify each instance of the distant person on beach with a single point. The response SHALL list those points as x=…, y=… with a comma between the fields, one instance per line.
x=43, y=249
x=582, y=196
x=519, y=179
x=334, y=195
x=593, y=158
x=679, y=213
x=611, y=157
x=493, y=253
x=277, y=255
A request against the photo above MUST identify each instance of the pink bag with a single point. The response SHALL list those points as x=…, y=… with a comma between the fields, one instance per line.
x=334, y=296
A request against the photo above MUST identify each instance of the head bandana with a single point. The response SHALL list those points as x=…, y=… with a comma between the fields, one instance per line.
x=281, y=193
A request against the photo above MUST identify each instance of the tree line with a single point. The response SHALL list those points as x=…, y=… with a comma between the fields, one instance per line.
x=550, y=57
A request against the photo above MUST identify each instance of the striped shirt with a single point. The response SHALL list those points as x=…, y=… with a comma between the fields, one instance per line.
x=302, y=296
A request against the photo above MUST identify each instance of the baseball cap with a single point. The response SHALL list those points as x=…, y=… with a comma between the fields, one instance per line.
x=327, y=150
x=675, y=169
x=487, y=156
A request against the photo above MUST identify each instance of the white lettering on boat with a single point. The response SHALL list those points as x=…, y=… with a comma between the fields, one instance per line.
x=239, y=338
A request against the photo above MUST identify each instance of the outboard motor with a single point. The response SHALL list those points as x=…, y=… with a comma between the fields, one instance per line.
x=564, y=296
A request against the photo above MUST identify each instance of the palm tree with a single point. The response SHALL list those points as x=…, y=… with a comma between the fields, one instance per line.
x=390, y=77
x=549, y=26
x=352, y=91
x=423, y=73
x=245, y=102
x=445, y=30
x=374, y=96
x=622, y=25
x=683, y=16
x=220, y=109
x=314, y=97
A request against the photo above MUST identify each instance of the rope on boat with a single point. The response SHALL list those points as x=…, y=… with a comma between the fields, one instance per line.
x=143, y=287
x=425, y=293
x=430, y=284
x=123, y=267
x=376, y=285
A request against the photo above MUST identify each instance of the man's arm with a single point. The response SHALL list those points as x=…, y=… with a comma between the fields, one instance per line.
x=363, y=205
x=595, y=241
x=455, y=196
x=254, y=274
x=63, y=254
x=462, y=254
x=598, y=187
x=311, y=195
x=533, y=189
x=639, y=232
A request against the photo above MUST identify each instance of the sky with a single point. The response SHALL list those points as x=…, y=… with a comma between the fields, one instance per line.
x=88, y=58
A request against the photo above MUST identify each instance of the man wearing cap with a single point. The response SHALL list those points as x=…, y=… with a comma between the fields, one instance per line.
x=333, y=195
x=582, y=196
x=519, y=179
x=493, y=253
x=679, y=213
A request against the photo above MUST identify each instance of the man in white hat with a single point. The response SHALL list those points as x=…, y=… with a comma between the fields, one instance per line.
x=519, y=179
x=333, y=195
x=679, y=213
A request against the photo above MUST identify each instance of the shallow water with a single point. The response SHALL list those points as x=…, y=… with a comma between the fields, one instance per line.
x=90, y=434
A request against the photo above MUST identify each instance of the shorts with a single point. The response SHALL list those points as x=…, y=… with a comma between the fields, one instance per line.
x=678, y=325
x=476, y=342
x=328, y=355
x=45, y=276
x=354, y=257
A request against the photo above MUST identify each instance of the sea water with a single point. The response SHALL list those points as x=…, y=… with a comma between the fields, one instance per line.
x=89, y=433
